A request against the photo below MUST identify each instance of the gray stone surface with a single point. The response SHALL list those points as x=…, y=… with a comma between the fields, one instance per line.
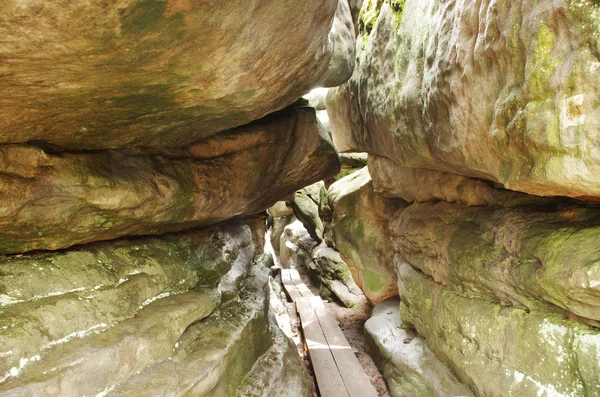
x=501, y=350
x=183, y=314
x=407, y=364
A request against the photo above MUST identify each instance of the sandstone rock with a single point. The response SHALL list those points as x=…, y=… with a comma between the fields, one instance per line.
x=279, y=225
x=280, y=209
x=212, y=356
x=334, y=276
x=296, y=245
x=99, y=315
x=306, y=208
x=101, y=285
x=407, y=364
x=420, y=185
x=341, y=42
x=498, y=350
x=503, y=91
x=359, y=228
x=86, y=366
x=80, y=331
x=161, y=73
x=523, y=256
x=279, y=372
x=355, y=6
x=55, y=200
x=323, y=264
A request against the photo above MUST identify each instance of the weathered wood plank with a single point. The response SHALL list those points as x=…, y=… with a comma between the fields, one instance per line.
x=329, y=379
x=316, y=302
x=354, y=377
x=289, y=286
x=302, y=288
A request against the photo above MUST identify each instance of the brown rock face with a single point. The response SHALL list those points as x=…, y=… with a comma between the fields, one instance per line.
x=117, y=73
x=55, y=200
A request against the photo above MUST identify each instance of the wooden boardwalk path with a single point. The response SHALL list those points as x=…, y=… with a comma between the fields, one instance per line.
x=337, y=370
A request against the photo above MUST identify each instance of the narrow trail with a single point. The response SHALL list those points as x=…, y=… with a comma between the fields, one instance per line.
x=351, y=322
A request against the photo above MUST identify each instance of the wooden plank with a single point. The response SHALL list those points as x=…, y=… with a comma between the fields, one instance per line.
x=289, y=286
x=329, y=379
x=356, y=381
x=316, y=302
x=302, y=288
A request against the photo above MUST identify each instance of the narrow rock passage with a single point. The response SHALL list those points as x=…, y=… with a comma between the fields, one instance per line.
x=351, y=322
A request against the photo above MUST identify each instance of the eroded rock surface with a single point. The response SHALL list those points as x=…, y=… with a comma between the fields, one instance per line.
x=505, y=91
x=407, y=364
x=359, y=229
x=484, y=116
x=124, y=318
x=323, y=264
x=521, y=256
x=55, y=200
x=498, y=349
x=421, y=185
x=161, y=73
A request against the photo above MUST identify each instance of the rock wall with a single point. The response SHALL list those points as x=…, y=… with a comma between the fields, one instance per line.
x=482, y=116
x=358, y=228
x=138, y=141
x=138, y=317
x=500, y=90
x=407, y=364
x=109, y=194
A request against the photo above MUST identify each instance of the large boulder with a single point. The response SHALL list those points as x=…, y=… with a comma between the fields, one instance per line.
x=109, y=194
x=334, y=276
x=359, y=230
x=158, y=73
x=123, y=318
x=306, y=205
x=505, y=91
x=506, y=296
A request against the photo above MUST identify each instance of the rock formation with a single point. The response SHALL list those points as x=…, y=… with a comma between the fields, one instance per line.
x=138, y=142
x=109, y=194
x=161, y=73
x=299, y=238
x=125, y=317
x=503, y=91
x=359, y=230
x=141, y=142
x=408, y=365
x=482, y=116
